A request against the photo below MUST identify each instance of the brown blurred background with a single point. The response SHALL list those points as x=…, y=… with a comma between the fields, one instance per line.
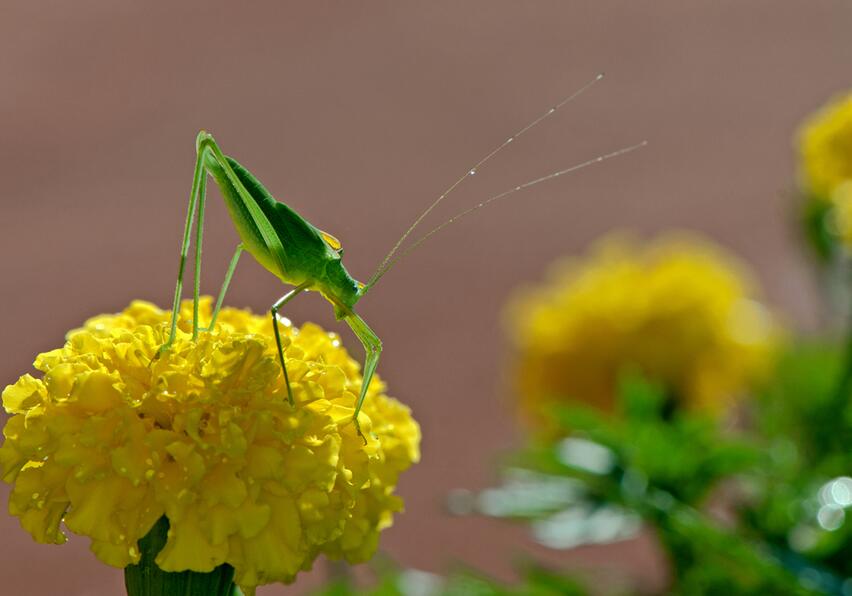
x=358, y=114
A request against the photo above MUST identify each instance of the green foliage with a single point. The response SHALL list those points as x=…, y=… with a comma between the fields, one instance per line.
x=668, y=449
x=394, y=581
x=537, y=581
x=815, y=216
x=802, y=499
x=806, y=410
x=662, y=464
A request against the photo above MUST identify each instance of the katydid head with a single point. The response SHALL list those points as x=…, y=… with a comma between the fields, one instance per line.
x=339, y=287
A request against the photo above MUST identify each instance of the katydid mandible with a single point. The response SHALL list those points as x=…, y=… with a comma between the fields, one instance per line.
x=303, y=256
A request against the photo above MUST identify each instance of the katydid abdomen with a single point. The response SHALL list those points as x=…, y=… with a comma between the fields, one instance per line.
x=306, y=253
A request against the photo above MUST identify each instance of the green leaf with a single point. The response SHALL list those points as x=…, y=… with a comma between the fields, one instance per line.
x=815, y=218
x=641, y=399
x=146, y=579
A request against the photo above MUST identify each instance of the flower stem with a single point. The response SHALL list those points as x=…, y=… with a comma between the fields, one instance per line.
x=842, y=389
x=147, y=579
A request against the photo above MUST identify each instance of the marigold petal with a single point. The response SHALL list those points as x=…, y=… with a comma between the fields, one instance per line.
x=23, y=395
x=187, y=547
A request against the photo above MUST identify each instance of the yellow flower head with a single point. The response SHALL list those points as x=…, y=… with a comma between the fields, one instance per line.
x=679, y=311
x=825, y=148
x=111, y=439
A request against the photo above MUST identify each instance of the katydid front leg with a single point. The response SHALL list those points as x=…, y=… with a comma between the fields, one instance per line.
x=373, y=348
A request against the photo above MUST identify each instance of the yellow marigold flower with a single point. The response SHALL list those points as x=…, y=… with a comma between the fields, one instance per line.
x=111, y=439
x=825, y=148
x=679, y=310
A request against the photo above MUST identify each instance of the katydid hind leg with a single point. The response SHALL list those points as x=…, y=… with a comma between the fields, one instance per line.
x=197, y=183
x=199, y=235
x=373, y=348
x=274, y=312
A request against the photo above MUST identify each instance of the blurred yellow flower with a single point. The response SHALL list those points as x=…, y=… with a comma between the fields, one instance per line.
x=679, y=310
x=108, y=441
x=825, y=148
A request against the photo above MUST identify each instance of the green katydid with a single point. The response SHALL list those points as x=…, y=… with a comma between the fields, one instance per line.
x=300, y=254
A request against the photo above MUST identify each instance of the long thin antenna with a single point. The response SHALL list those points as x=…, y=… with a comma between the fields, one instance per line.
x=470, y=172
x=506, y=193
